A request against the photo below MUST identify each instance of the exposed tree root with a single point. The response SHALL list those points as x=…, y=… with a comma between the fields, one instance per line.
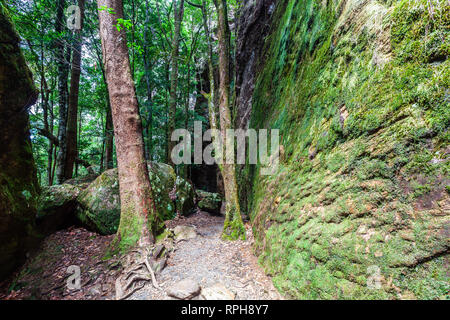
x=137, y=274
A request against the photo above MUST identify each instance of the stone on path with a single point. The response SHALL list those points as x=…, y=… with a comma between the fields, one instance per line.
x=184, y=233
x=184, y=290
x=217, y=292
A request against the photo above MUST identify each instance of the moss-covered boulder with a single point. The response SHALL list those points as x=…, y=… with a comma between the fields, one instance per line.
x=185, y=195
x=82, y=182
x=56, y=208
x=18, y=183
x=99, y=204
x=173, y=194
x=209, y=202
x=162, y=181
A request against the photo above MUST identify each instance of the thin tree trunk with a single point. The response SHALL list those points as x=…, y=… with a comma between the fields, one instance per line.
x=139, y=221
x=72, y=112
x=212, y=87
x=166, y=104
x=109, y=130
x=50, y=149
x=233, y=227
x=78, y=141
x=193, y=47
x=149, y=126
x=178, y=17
x=109, y=143
x=63, y=74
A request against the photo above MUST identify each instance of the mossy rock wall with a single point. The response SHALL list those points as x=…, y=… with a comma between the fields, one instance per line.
x=185, y=195
x=99, y=204
x=56, y=208
x=360, y=205
x=18, y=183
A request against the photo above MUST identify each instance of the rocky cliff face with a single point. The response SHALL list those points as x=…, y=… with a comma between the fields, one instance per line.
x=359, y=90
x=18, y=183
x=254, y=25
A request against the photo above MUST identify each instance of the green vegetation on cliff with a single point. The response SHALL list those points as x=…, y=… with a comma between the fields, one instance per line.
x=19, y=188
x=359, y=207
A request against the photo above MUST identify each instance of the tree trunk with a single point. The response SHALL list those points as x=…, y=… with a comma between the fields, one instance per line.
x=109, y=130
x=138, y=220
x=233, y=227
x=149, y=126
x=178, y=17
x=72, y=113
x=63, y=72
x=212, y=87
x=109, y=143
x=80, y=119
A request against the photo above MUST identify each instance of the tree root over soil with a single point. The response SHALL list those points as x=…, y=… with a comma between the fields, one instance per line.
x=137, y=274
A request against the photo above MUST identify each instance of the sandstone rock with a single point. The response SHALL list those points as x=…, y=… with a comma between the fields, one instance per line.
x=184, y=233
x=159, y=265
x=19, y=187
x=217, y=292
x=345, y=168
x=56, y=207
x=209, y=202
x=99, y=204
x=184, y=196
x=184, y=290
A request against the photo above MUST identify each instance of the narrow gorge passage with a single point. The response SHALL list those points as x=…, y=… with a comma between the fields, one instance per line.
x=222, y=269
x=224, y=149
x=213, y=263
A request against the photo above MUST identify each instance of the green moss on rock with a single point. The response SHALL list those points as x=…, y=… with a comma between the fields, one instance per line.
x=210, y=202
x=359, y=91
x=99, y=204
x=185, y=195
x=19, y=188
x=56, y=207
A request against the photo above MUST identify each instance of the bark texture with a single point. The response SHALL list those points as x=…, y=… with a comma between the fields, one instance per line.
x=63, y=74
x=18, y=182
x=233, y=227
x=138, y=221
x=178, y=17
x=72, y=112
x=109, y=139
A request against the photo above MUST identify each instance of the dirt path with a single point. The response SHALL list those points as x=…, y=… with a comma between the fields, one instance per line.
x=206, y=259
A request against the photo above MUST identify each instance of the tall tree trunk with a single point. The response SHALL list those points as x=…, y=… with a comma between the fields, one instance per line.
x=233, y=227
x=109, y=130
x=72, y=112
x=166, y=105
x=51, y=146
x=63, y=73
x=149, y=126
x=178, y=17
x=212, y=87
x=109, y=143
x=138, y=219
x=78, y=141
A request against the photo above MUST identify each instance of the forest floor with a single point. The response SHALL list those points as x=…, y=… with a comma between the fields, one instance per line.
x=204, y=259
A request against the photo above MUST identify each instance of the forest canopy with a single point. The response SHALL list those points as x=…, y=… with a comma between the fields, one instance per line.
x=150, y=30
